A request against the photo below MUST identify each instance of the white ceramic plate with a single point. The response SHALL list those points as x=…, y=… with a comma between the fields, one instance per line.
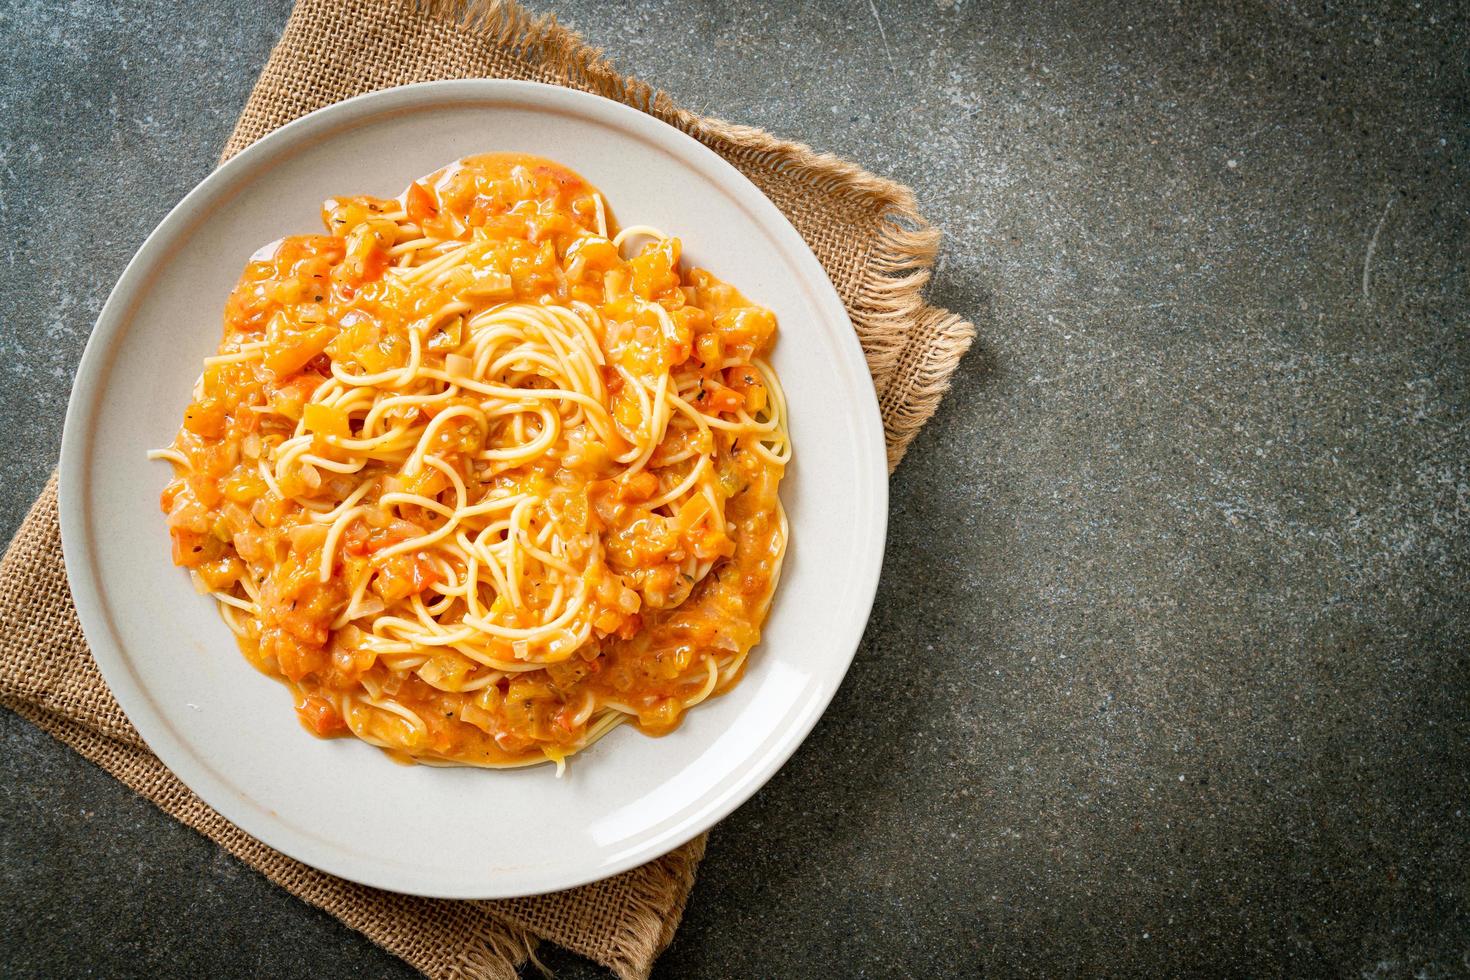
x=342, y=806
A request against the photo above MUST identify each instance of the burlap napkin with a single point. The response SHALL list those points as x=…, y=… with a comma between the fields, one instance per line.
x=865, y=231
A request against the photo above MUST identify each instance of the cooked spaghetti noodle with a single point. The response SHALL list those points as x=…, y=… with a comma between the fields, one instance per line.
x=480, y=478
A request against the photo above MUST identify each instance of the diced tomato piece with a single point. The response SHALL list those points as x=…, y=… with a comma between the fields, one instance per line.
x=188, y=548
x=244, y=486
x=656, y=270
x=295, y=658
x=206, y=418
x=402, y=576
x=192, y=549
x=720, y=399
x=747, y=381
x=639, y=487
x=355, y=539
x=326, y=420
x=292, y=353
x=320, y=716
x=420, y=204
x=423, y=576
x=374, y=265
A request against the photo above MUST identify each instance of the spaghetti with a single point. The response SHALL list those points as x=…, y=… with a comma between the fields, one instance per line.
x=480, y=479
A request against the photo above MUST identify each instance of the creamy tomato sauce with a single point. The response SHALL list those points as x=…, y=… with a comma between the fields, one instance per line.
x=479, y=478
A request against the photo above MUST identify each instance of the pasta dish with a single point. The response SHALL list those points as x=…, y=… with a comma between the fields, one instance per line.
x=479, y=476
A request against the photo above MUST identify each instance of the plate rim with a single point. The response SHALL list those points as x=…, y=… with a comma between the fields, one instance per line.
x=217, y=187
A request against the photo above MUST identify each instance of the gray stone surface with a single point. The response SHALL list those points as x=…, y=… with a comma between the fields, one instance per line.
x=1167, y=671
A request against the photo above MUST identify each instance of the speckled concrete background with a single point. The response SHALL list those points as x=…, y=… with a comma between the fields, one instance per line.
x=1168, y=668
